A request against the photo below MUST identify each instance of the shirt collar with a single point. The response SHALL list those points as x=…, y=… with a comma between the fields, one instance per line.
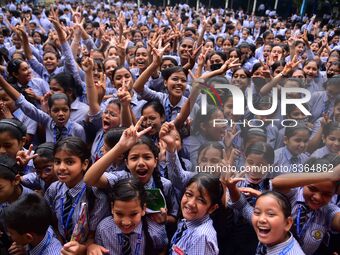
x=280, y=246
x=288, y=153
x=195, y=223
x=137, y=230
x=76, y=104
x=42, y=245
x=179, y=104
x=75, y=190
x=149, y=184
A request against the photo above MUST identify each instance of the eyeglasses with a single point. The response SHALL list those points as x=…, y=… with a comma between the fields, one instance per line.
x=112, y=114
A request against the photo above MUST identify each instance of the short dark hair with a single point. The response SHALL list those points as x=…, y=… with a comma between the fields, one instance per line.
x=29, y=214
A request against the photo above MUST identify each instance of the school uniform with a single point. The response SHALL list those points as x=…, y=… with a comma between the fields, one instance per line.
x=195, y=237
x=39, y=86
x=321, y=152
x=79, y=111
x=3, y=206
x=50, y=245
x=171, y=111
x=314, y=86
x=169, y=192
x=109, y=235
x=58, y=195
x=319, y=104
x=30, y=124
x=247, y=211
x=176, y=174
x=136, y=104
x=287, y=161
x=52, y=132
x=288, y=247
x=33, y=181
x=315, y=226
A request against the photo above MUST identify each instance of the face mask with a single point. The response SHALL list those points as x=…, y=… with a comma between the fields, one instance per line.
x=323, y=59
x=214, y=67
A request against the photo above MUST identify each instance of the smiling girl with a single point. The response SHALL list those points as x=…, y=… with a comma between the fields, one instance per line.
x=195, y=232
x=128, y=224
x=141, y=159
x=310, y=195
x=57, y=122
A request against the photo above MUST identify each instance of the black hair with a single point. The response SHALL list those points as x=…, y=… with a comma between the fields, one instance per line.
x=45, y=150
x=277, y=64
x=209, y=183
x=156, y=106
x=13, y=67
x=219, y=53
x=75, y=146
x=9, y=168
x=58, y=96
x=291, y=131
x=208, y=145
x=261, y=148
x=330, y=127
x=298, y=81
x=55, y=52
x=113, y=135
x=173, y=60
x=29, y=214
x=13, y=126
x=67, y=82
x=166, y=73
x=118, y=68
x=203, y=118
x=127, y=190
x=281, y=199
x=266, y=33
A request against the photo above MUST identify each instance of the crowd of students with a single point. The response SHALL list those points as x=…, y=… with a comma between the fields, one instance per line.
x=100, y=105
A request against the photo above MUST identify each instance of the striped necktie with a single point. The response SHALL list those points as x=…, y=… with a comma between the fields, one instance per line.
x=294, y=160
x=168, y=109
x=179, y=233
x=67, y=209
x=261, y=249
x=301, y=218
x=126, y=249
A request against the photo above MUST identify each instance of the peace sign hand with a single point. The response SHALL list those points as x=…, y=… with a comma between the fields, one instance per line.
x=230, y=179
x=23, y=157
x=131, y=135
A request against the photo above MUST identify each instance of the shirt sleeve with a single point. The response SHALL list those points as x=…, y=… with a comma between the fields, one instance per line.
x=100, y=209
x=244, y=207
x=32, y=111
x=150, y=95
x=70, y=64
x=177, y=175
x=37, y=66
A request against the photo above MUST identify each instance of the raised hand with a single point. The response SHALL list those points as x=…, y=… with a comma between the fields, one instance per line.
x=290, y=66
x=168, y=135
x=23, y=157
x=230, y=135
x=88, y=65
x=131, y=135
x=124, y=96
x=158, y=53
